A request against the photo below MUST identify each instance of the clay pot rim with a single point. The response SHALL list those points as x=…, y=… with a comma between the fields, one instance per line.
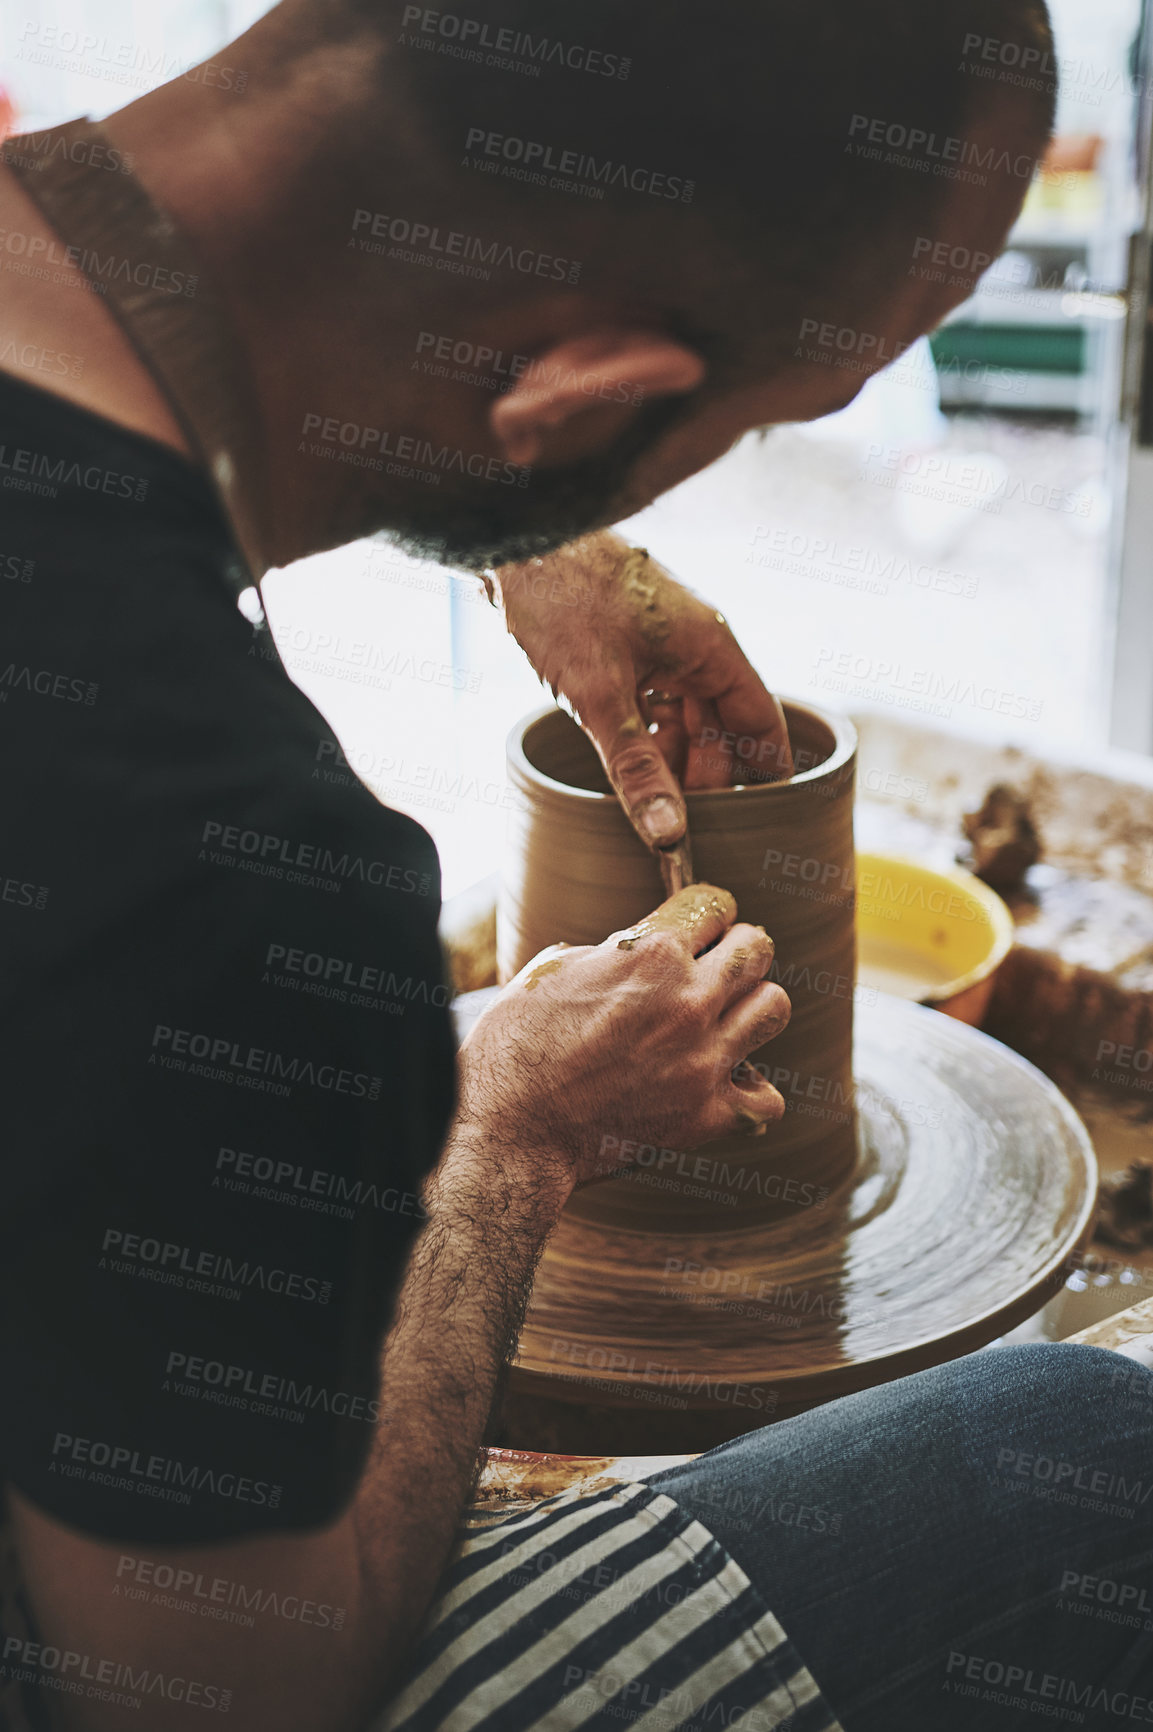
x=845, y=741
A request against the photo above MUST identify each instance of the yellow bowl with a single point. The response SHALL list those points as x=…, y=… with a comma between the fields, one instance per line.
x=938, y=937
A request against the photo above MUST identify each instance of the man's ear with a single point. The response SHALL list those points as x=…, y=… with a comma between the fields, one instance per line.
x=576, y=396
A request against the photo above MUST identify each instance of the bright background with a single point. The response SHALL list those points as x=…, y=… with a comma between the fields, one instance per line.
x=847, y=581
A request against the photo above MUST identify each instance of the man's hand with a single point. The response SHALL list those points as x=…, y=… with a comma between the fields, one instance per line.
x=603, y=624
x=633, y=1039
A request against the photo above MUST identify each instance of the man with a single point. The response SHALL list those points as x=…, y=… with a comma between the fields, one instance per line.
x=221, y=1499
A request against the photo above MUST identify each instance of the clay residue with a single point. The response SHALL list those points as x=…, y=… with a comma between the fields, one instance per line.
x=542, y=971
x=507, y=1480
x=1003, y=838
x=691, y=909
x=640, y=578
x=1126, y=1217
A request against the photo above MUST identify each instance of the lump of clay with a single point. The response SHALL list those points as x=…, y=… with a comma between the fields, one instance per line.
x=1003, y=838
x=1126, y=1217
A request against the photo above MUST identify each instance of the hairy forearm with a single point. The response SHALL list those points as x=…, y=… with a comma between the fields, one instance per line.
x=490, y=1211
x=491, y=1208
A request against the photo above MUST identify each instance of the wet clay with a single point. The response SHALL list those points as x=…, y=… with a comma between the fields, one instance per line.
x=947, y=1237
x=973, y=1191
x=575, y=870
x=883, y=1225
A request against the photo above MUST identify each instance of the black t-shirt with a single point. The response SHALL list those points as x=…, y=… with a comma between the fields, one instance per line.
x=227, y=1057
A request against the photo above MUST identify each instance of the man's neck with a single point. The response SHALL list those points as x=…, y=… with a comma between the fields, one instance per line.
x=57, y=333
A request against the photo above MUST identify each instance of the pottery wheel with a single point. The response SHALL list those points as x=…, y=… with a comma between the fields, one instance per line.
x=975, y=1183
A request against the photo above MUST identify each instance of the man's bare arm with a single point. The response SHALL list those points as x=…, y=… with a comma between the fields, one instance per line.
x=374, y=1571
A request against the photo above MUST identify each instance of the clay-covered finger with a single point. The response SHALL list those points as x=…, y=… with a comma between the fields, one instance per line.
x=747, y=1108
x=738, y=963
x=697, y=915
x=644, y=782
x=758, y=1016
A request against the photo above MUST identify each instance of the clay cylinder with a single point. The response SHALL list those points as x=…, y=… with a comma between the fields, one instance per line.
x=576, y=871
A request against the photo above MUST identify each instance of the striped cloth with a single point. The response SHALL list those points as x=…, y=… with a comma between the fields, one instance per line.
x=600, y=1610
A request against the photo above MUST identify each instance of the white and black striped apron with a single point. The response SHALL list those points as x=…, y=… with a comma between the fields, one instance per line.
x=600, y=1610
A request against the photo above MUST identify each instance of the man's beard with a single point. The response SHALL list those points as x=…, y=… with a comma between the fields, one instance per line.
x=480, y=523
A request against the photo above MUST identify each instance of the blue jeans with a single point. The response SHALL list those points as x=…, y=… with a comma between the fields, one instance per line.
x=970, y=1548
